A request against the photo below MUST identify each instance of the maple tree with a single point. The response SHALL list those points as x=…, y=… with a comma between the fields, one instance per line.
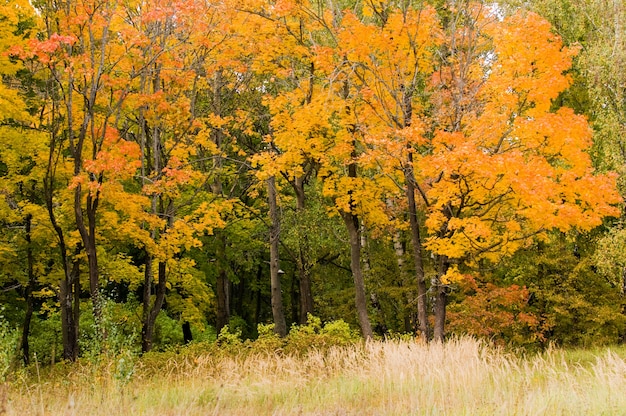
x=390, y=70
x=22, y=161
x=504, y=167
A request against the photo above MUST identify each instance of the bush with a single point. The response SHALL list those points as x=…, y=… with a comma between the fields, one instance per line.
x=302, y=338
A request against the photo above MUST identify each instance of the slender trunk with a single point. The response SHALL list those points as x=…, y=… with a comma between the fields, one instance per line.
x=352, y=224
x=280, y=326
x=222, y=289
x=257, y=308
x=409, y=178
x=440, y=299
x=306, y=296
x=365, y=258
x=75, y=279
x=422, y=305
x=146, y=329
x=304, y=266
x=187, y=335
x=69, y=304
x=223, y=300
x=25, y=347
x=295, y=299
x=69, y=296
x=351, y=221
x=87, y=232
x=69, y=321
x=151, y=310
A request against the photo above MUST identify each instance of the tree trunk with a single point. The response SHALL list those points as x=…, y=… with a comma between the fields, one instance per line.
x=306, y=295
x=295, y=299
x=280, y=326
x=75, y=279
x=28, y=293
x=151, y=310
x=440, y=299
x=88, y=238
x=187, y=335
x=69, y=320
x=422, y=304
x=304, y=266
x=352, y=225
x=146, y=329
x=222, y=289
x=223, y=300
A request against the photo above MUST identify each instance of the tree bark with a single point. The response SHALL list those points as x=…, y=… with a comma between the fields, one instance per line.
x=69, y=318
x=151, y=310
x=88, y=238
x=280, y=326
x=306, y=295
x=441, y=296
x=187, y=335
x=304, y=265
x=222, y=289
x=422, y=304
x=28, y=293
x=352, y=224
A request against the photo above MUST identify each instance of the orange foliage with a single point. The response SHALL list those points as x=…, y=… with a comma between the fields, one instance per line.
x=498, y=313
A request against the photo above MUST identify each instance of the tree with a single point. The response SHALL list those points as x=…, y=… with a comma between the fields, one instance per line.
x=23, y=161
x=389, y=54
x=504, y=167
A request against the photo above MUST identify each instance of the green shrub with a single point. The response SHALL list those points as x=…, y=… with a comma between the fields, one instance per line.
x=314, y=334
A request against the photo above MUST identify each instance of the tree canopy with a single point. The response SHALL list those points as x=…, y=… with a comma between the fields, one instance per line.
x=235, y=163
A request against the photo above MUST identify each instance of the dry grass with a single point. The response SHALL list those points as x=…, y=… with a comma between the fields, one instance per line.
x=463, y=377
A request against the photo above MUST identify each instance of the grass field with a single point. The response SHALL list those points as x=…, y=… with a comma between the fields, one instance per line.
x=462, y=377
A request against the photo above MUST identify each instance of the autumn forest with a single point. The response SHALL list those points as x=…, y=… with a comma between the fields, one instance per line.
x=173, y=170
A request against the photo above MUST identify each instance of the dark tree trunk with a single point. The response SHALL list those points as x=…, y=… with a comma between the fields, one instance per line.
x=306, y=295
x=88, y=238
x=223, y=300
x=69, y=318
x=295, y=299
x=257, y=306
x=69, y=295
x=28, y=293
x=187, y=336
x=409, y=178
x=280, y=326
x=422, y=304
x=222, y=290
x=303, y=264
x=352, y=225
x=151, y=310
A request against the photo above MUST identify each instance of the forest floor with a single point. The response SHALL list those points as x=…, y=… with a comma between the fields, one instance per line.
x=462, y=377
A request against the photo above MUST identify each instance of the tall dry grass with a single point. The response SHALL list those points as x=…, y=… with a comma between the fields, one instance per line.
x=462, y=377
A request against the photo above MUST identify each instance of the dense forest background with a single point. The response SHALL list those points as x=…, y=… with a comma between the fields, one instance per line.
x=169, y=169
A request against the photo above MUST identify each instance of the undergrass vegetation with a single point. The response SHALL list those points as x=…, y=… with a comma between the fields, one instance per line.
x=326, y=370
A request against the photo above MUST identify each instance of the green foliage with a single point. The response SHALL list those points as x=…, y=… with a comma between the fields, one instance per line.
x=228, y=337
x=314, y=334
x=268, y=340
x=575, y=304
x=45, y=337
x=299, y=340
x=8, y=348
x=117, y=336
x=125, y=368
